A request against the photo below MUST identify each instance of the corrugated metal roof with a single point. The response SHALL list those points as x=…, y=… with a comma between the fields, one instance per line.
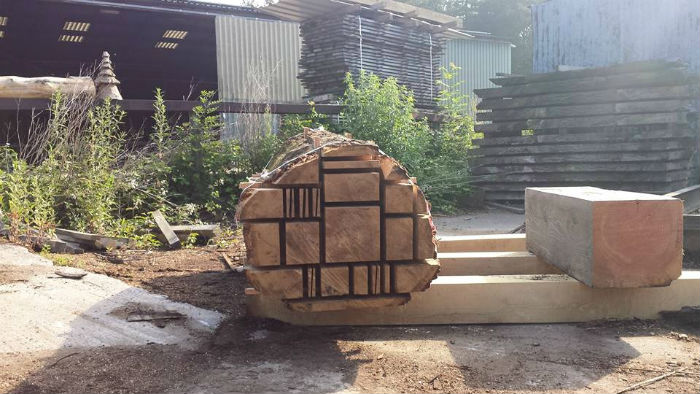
x=181, y=6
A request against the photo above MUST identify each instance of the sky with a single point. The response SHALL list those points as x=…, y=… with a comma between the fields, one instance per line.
x=232, y=2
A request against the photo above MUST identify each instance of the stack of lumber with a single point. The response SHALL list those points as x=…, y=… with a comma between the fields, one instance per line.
x=333, y=46
x=511, y=286
x=631, y=127
x=337, y=225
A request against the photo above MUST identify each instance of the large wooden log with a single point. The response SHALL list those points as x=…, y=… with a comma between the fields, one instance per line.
x=45, y=87
x=336, y=224
x=606, y=238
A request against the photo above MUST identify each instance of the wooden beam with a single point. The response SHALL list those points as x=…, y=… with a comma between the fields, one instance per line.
x=170, y=237
x=691, y=222
x=606, y=238
x=45, y=87
x=502, y=299
x=690, y=196
x=482, y=243
x=493, y=263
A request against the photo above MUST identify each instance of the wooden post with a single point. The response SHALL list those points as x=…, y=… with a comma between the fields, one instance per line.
x=106, y=81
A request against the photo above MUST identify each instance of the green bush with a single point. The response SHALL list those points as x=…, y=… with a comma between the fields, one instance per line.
x=383, y=111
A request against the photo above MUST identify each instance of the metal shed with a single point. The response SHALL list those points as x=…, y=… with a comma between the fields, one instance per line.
x=479, y=59
x=595, y=33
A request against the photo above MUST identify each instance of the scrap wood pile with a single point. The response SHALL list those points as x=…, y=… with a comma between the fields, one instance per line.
x=337, y=224
x=631, y=127
x=334, y=46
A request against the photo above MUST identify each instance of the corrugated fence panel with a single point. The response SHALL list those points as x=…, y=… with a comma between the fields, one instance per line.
x=479, y=60
x=595, y=33
x=258, y=60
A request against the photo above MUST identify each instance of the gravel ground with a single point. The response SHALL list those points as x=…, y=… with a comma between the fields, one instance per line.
x=245, y=355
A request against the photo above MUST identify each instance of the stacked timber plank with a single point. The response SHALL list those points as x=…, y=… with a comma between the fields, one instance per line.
x=334, y=46
x=508, y=289
x=336, y=225
x=631, y=127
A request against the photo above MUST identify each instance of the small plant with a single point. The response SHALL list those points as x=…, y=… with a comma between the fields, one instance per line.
x=382, y=111
x=191, y=241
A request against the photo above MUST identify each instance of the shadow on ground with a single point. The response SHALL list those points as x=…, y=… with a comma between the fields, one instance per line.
x=247, y=355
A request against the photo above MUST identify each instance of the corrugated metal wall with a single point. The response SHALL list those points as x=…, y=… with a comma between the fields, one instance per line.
x=596, y=33
x=258, y=59
x=479, y=60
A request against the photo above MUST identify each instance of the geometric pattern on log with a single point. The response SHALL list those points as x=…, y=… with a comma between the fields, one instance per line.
x=354, y=235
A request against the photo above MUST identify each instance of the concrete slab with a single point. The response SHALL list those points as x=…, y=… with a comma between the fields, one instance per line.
x=40, y=310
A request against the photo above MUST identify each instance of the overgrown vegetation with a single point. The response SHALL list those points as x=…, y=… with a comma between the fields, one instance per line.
x=383, y=111
x=80, y=171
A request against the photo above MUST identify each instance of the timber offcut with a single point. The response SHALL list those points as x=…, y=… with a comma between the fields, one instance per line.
x=336, y=224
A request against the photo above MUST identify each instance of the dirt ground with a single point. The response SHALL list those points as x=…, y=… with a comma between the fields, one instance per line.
x=246, y=355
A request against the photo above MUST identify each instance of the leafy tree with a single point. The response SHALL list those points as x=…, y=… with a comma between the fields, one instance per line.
x=508, y=19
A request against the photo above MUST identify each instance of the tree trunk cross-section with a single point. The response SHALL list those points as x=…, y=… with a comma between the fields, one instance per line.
x=337, y=225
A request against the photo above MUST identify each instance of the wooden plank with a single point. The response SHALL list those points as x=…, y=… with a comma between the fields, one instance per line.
x=334, y=165
x=170, y=236
x=584, y=157
x=587, y=177
x=399, y=239
x=585, y=121
x=617, y=167
x=592, y=97
x=347, y=303
x=302, y=243
x=482, y=243
x=351, y=187
x=425, y=237
x=398, y=198
x=642, y=66
x=352, y=234
x=91, y=240
x=581, y=148
x=638, y=79
x=335, y=281
x=493, y=263
x=691, y=222
x=44, y=87
x=203, y=230
x=599, y=135
x=261, y=203
x=553, y=112
x=690, y=196
x=262, y=243
x=306, y=173
x=283, y=283
x=503, y=299
x=416, y=277
x=606, y=238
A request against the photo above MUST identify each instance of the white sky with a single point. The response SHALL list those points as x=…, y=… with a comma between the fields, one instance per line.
x=232, y=2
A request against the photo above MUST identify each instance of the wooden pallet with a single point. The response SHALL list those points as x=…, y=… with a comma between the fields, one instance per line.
x=482, y=294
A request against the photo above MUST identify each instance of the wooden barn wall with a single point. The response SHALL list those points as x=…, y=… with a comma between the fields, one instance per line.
x=596, y=33
x=627, y=127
